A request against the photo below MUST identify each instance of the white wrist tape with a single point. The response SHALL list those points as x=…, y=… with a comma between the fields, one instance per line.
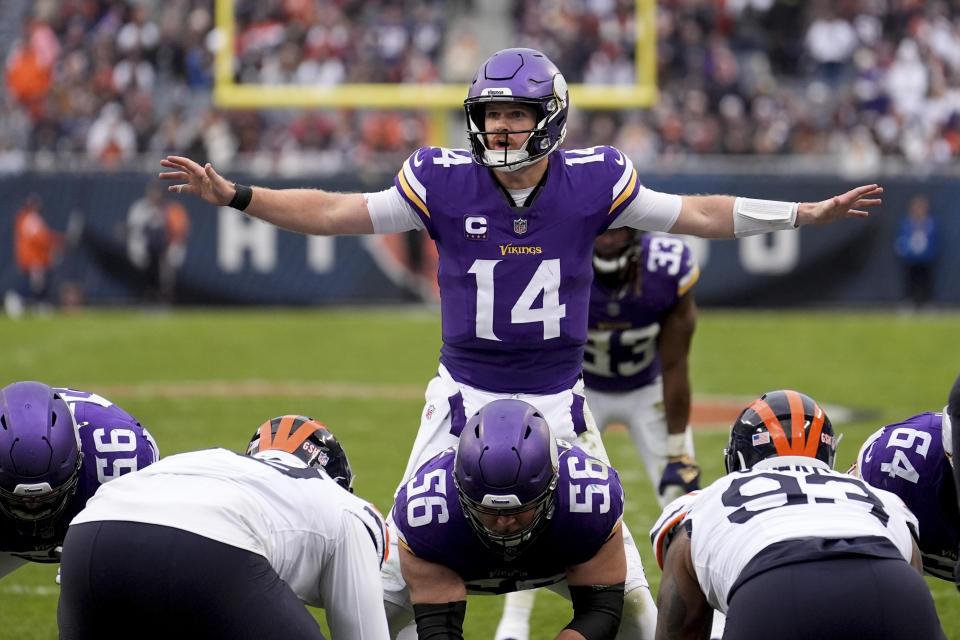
x=676, y=444
x=752, y=216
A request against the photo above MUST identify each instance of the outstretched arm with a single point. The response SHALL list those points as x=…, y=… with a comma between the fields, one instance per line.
x=309, y=211
x=714, y=217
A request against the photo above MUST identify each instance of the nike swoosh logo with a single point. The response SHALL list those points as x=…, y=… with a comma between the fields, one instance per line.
x=417, y=161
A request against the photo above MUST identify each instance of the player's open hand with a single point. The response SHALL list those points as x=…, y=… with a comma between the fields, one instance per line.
x=848, y=205
x=200, y=181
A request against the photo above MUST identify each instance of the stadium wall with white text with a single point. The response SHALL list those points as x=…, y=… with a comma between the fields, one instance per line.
x=233, y=260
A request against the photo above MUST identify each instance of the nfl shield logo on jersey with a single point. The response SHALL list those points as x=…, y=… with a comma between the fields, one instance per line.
x=520, y=226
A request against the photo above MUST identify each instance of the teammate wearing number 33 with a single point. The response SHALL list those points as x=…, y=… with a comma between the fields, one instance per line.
x=836, y=552
x=57, y=446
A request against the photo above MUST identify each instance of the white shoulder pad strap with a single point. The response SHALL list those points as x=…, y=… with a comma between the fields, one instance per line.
x=665, y=527
x=751, y=216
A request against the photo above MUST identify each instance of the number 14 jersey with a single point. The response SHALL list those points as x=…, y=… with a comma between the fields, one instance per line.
x=515, y=281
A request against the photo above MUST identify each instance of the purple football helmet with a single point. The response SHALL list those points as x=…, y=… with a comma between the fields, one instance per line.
x=523, y=76
x=506, y=465
x=39, y=454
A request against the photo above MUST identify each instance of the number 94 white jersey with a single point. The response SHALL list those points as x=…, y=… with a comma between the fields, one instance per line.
x=783, y=498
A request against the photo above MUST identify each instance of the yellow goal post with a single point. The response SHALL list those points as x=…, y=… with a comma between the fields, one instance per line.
x=439, y=99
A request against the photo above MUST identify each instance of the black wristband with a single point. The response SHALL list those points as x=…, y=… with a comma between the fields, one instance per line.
x=596, y=610
x=242, y=197
x=440, y=621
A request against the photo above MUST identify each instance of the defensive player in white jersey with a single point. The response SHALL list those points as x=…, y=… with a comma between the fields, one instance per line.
x=214, y=544
x=514, y=219
x=787, y=547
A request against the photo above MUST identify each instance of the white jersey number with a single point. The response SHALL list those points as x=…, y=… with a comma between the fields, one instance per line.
x=665, y=253
x=905, y=438
x=421, y=509
x=545, y=281
x=119, y=441
x=642, y=343
x=592, y=469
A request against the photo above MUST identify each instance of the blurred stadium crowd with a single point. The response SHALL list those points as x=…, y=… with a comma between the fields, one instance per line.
x=94, y=84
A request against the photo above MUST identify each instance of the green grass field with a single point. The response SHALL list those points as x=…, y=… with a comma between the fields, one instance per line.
x=199, y=379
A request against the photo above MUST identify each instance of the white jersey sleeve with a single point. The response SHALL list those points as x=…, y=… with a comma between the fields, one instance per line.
x=350, y=585
x=668, y=523
x=323, y=541
x=390, y=213
x=650, y=211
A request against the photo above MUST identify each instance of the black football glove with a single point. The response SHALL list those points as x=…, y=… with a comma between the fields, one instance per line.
x=682, y=471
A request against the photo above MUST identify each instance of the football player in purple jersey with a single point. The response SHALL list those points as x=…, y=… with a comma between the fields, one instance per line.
x=510, y=508
x=57, y=446
x=642, y=319
x=641, y=322
x=514, y=218
x=914, y=459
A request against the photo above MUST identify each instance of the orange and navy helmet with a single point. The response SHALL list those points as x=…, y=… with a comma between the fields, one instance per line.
x=780, y=423
x=308, y=440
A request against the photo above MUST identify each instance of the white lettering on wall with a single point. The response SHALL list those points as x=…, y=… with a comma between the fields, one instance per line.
x=770, y=253
x=238, y=236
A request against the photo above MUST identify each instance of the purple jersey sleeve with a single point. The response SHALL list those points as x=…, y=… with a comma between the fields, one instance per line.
x=112, y=443
x=588, y=508
x=907, y=458
x=624, y=325
x=515, y=280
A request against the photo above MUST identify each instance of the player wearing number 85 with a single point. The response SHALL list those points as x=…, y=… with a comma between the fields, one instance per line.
x=914, y=459
x=57, y=446
x=511, y=508
x=786, y=546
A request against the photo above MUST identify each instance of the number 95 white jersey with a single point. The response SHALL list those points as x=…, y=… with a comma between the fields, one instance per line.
x=784, y=498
